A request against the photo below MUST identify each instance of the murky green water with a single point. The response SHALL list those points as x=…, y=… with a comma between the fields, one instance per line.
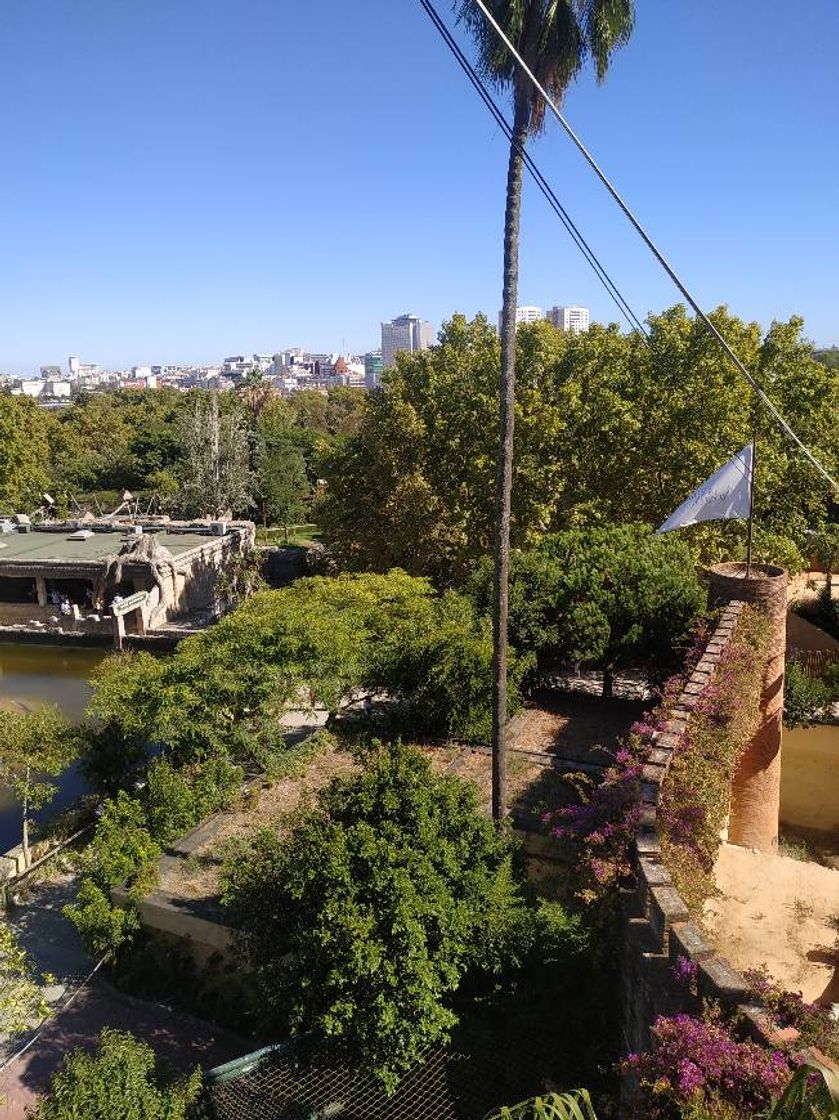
x=31, y=676
x=34, y=675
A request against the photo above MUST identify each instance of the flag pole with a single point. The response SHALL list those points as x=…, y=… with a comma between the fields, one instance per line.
x=752, y=496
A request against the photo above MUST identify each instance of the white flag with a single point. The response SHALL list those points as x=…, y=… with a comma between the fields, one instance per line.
x=724, y=495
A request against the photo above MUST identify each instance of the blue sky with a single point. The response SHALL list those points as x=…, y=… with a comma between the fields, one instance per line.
x=184, y=181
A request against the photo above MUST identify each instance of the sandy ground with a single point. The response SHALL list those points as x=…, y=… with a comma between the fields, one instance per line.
x=781, y=914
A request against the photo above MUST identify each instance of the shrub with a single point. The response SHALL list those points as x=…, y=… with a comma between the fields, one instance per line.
x=442, y=672
x=695, y=793
x=696, y=1063
x=104, y=928
x=120, y=1081
x=805, y=697
x=602, y=827
x=612, y=596
x=22, y=1004
x=123, y=848
x=555, y=1106
x=696, y=790
x=815, y=1025
x=122, y=851
x=361, y=922
x=178, y=799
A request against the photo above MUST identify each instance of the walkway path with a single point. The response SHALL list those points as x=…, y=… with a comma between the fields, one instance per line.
x=81, y=1013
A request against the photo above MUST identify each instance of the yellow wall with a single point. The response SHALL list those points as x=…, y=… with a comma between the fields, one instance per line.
x=810, y=777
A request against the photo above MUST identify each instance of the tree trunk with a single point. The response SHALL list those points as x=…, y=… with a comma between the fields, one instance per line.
x=505, y=458
x=608, y=682
x=24, y=838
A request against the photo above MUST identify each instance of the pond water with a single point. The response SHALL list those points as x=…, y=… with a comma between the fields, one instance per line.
x=31, y=676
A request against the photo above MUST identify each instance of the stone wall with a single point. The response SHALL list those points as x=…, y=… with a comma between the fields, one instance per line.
x=51, y=620
x=658, y=929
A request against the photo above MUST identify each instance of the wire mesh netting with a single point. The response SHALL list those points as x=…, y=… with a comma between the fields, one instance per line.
x=473, y=1077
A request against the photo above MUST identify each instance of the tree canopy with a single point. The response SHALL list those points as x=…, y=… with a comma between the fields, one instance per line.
x=360, y=923
x=610, y=430
x=612, y=597
x=121, y=1080
x=222, y=692
x=35, y=747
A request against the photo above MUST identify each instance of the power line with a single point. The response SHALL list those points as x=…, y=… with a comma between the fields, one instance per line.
x=546, y=189
x=657, y=253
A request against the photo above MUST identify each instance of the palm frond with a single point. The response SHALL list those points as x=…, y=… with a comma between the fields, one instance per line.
x=556, y=1106
x=804, y=1100
x=554, y=37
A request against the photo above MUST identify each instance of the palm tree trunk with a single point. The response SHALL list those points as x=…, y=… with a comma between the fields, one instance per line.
x=505, y=458
x=24, y=838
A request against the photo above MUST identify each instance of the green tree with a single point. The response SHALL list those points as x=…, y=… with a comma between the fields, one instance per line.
x=826, y=552
x=255, y=391
x=94, y=449
x=412, y=488
x=34, y=747
x=438, y=665
x=22, y=1003
x=361, y=922
x=215, y=469
x=121, y=719
x=281, y=481
x=614, y=597
x=806, y=699
x=121, y=1080
x=629, y=598
x=26, y=430
x=555, y=42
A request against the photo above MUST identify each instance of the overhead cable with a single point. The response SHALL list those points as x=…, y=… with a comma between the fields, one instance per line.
x=657, y=253
x=545, y=187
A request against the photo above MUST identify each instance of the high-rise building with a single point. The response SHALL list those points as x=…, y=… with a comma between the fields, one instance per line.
x=572, y=320
x=373, y=368
x=408, y=333
x=524, y=315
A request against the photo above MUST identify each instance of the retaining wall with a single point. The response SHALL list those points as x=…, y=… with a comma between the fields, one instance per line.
x=657, y=924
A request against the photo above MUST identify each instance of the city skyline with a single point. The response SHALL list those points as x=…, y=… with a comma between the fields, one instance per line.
x=155, y=213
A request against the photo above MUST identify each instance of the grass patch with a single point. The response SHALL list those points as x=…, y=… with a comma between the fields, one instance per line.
x=299, y=536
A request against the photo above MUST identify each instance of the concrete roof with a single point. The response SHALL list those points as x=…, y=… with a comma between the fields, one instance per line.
x=38, y=547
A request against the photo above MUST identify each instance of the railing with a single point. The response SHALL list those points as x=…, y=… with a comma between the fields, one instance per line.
x=816, y=663
x=14, y=881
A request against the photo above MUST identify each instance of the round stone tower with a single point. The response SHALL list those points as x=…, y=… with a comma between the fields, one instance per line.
x=756, y=789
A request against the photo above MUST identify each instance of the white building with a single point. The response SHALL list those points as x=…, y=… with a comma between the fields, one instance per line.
x=524, y=315
x=28, y=387
x=58, y=390
x=572, y=320
x=408, y=333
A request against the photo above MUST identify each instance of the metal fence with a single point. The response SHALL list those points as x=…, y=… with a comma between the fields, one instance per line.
x=468, y=1080
x=816, y=663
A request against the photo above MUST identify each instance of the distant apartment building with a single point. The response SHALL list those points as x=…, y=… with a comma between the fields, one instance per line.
x=52, y=373
x=524, y=315
x=28, y=387
x=571, y=320
x=408, y=333
x=58, y=389
x=373, y=369
x=80, y=371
